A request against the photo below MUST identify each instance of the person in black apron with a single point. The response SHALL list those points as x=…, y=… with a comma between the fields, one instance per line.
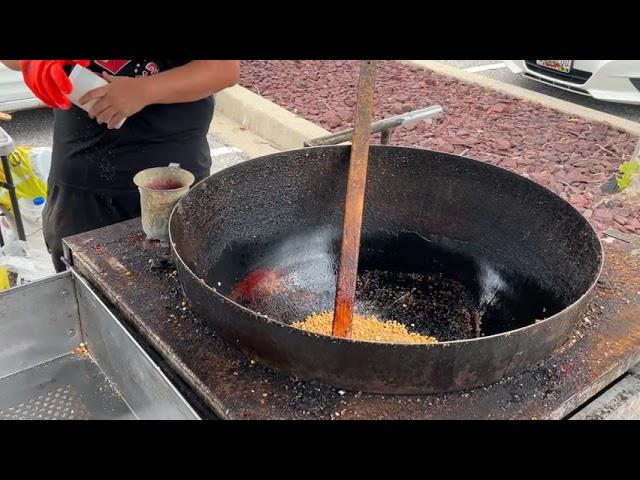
x=168, y=106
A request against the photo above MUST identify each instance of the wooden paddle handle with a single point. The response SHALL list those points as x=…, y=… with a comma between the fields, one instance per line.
x=5, y=116
x=354, y=204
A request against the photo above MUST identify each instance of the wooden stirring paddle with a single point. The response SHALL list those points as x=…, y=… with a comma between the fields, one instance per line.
x=354, y=204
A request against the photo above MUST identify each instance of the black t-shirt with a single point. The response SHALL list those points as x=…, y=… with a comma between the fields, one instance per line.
x=87, y=155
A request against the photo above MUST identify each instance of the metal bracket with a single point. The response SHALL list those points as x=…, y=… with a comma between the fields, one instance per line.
x=385, y=127
x=67, y=256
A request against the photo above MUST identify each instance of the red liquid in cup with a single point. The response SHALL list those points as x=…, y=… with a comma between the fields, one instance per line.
x=164, y=185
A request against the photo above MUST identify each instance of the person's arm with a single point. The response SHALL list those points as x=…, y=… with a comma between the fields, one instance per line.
x=125, y=96
x=12, y=64
x=195, y=80
x=47, y=79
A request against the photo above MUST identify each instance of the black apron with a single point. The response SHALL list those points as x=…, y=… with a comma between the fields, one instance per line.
x=89, y=156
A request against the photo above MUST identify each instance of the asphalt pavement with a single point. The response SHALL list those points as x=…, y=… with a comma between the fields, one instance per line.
x=497, y=70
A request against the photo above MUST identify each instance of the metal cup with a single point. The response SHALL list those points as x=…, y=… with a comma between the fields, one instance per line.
x=160, y=189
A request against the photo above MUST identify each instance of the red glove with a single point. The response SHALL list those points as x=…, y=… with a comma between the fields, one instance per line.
x=48, y=80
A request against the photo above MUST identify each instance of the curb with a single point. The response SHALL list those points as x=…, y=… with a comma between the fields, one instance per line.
x=232, y=133
x=528, y=95
x=264, y=118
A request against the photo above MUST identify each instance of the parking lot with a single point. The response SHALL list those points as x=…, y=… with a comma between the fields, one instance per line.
x=31, y=127
x=497, y=70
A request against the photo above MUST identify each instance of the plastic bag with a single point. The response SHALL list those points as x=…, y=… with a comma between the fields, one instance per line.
x=30, y=171
x=5, y=284
x=29, y=264
x=41, y=162
x=30, y=182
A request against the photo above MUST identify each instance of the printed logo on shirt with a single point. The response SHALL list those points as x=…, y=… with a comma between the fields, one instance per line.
x=151, y=68
x=113, y=66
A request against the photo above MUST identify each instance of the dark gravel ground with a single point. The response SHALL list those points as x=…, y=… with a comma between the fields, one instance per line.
x=569, y=155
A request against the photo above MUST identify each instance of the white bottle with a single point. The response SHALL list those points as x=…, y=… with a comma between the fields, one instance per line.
x=31, y=213
x=84, y=80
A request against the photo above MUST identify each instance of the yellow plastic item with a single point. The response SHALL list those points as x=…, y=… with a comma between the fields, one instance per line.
x=4, y=279
x=28, y=184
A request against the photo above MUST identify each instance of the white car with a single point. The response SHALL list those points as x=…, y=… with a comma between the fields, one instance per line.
x=611, y=80
x=14, y=93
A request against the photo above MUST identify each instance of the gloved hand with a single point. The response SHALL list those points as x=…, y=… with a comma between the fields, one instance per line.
x=48, y=80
